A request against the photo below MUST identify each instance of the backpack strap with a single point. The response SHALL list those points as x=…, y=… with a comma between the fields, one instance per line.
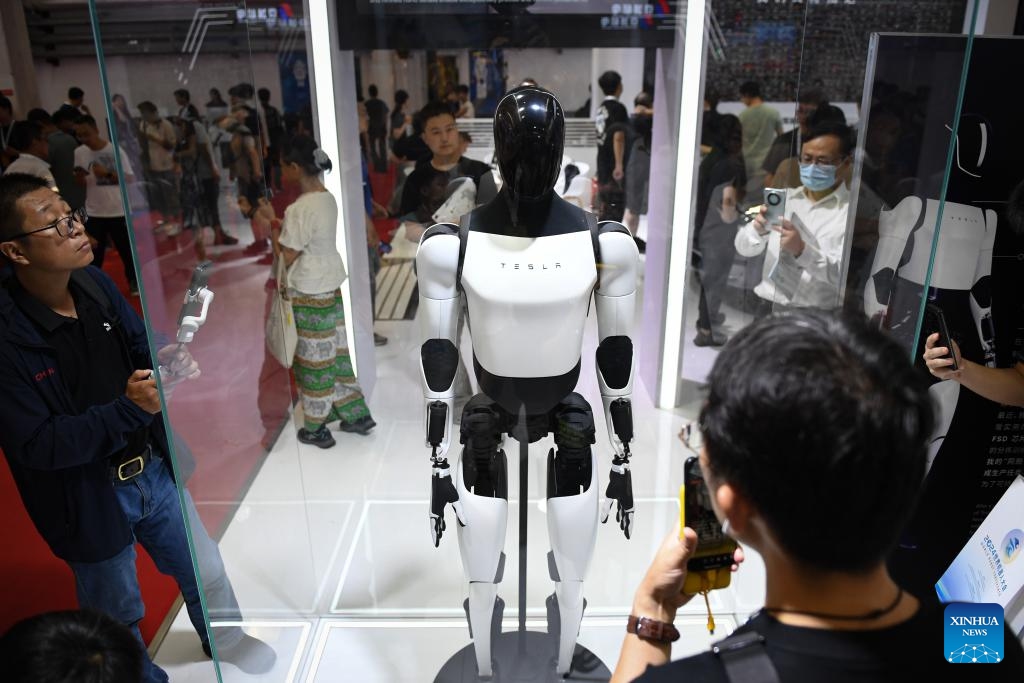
x=595, y=235
x=463, y=237
x=745, y=659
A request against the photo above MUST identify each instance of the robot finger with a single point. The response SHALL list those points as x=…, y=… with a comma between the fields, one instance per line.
x=435, y=531
x=607, y=509
x=627, y=525
x=460, y=513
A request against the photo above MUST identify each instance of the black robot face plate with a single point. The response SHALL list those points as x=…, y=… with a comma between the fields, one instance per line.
x=529, y=138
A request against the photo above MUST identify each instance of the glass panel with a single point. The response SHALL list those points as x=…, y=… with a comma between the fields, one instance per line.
x=392, y=587
x=184, y=83
x=817, y=67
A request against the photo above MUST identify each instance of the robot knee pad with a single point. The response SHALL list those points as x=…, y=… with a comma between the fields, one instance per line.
x=569, y=469
x=574, y=425
x=483, y=461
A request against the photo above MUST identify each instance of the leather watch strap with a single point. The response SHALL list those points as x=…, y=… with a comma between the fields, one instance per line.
x=652, y=629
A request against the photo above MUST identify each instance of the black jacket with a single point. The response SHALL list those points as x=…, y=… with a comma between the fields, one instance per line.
x=57, y=456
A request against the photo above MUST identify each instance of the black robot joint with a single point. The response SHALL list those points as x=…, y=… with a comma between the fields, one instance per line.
x=531, y=266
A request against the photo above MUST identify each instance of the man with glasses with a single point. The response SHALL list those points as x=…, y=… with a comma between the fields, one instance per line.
x=80, y=422
x=804, y=251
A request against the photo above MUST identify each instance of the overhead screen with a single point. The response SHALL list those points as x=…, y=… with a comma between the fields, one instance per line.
x=479, y=24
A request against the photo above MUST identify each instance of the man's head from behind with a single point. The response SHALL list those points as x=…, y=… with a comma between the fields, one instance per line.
x=35, y=229
x=610, y=83
x=806, y=104
x=83, y=646
x=42, y=118
x=75, y=96
x=27, y=137
x=64, y=119
x=815, y=431
x=750, y=93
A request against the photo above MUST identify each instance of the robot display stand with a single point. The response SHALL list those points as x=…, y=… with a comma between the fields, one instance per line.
x=529, y=263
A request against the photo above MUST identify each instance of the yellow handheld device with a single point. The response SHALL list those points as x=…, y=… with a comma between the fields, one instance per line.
x=710, y=567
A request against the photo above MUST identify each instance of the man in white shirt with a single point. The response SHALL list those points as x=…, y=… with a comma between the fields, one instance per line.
x=96, y=170
x=28, y=140
x=803, y=252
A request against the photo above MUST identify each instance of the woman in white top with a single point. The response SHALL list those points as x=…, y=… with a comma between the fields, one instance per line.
x=306, y=242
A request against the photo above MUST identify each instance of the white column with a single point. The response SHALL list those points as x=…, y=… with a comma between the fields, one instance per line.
x=334, y=110
x=17, y=80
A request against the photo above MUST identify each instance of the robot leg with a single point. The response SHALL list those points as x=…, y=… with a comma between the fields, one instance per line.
x=572, y=492
x=483, y=489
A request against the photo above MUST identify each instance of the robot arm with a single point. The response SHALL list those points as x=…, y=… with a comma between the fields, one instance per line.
x=616, y=304
x=437, y=262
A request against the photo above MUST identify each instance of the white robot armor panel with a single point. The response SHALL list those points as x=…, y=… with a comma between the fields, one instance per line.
x=528, y=301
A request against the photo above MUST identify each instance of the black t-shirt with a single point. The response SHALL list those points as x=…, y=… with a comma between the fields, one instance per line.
x=717, y=170
x=908, y=652
x=91, y=354
x=611, y=118
x=784, y=147
x=377, y=116
x=424, y=189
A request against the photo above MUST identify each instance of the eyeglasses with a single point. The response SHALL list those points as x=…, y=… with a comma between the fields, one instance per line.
x=61, y=225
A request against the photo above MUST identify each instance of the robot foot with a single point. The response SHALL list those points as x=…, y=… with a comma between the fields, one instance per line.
x=484, y=610
x=565, y=613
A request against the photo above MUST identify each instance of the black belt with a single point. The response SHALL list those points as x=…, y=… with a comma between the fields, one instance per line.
x=132, y=467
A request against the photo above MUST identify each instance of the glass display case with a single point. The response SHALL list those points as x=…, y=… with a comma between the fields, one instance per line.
x=863, y=138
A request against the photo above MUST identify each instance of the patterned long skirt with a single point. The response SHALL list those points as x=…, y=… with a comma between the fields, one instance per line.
x=323, y=367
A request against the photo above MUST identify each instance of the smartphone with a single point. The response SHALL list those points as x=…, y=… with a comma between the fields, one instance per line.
x=775, y=201
x=710, y=568
x=192, y=305
x=935, y=321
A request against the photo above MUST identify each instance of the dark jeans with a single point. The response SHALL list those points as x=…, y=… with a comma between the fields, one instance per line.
x=115, y=229
x=163, y=193
x=379, y=151
x=209, y=194
x=611, y=201
x=717, y=253
x=150, y=501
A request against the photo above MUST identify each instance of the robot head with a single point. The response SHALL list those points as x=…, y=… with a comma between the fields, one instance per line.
x=529, y=136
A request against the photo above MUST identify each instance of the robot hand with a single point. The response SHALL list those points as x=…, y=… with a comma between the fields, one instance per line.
x=620, y=494
x=442, y=492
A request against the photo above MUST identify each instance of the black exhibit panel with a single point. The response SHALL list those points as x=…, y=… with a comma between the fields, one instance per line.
x=423, y=24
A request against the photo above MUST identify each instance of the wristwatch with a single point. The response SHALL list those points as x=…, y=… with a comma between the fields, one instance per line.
x=652, y=629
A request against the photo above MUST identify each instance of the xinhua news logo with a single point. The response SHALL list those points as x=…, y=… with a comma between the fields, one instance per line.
x=974, y=633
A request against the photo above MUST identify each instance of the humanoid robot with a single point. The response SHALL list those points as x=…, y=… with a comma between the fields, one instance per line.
x=528, y=263
x=962, y=263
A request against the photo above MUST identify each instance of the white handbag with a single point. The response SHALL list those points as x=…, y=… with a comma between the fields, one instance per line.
x=282, y=337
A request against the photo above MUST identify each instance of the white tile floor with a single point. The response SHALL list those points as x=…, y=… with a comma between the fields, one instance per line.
x=331, y=559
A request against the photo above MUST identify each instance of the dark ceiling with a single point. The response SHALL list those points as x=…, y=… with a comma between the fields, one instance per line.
x=61, y=30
